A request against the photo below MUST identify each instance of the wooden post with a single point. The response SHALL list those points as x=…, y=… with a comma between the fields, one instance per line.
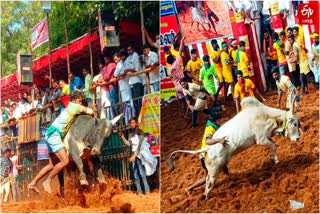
x=67, y=40
x=144, y=42
x=91, y=69
x=49, y=52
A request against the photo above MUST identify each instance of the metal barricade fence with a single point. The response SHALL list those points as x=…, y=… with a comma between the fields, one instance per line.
x=114, y=154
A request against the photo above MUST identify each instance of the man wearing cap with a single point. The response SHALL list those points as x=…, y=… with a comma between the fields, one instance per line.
x=207, y=76
x=315, y=47
x=243, y=60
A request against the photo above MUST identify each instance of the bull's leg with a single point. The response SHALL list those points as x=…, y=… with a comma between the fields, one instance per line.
x=82, y=175
x=271, y=145
x=61, y=182
x=213, y=171
x=97, y=169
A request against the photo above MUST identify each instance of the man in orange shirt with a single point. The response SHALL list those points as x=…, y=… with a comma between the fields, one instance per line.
x=271, y=58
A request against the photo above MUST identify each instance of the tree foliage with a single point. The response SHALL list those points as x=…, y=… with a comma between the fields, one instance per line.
x=18, y=18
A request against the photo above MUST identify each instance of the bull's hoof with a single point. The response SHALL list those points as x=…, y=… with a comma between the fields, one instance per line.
x=101, y=178
x=84, y=183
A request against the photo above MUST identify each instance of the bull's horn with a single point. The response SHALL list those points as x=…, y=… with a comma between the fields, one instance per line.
x=115, y=120
x=293, y=103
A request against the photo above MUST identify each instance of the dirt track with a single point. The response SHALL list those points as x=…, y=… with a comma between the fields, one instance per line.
x=112, y=199
x=254, y=184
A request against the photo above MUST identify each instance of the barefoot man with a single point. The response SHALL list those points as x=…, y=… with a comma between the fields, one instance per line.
x=54, y=136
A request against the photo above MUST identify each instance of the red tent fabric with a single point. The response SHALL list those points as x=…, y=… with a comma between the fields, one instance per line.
x=79, y=56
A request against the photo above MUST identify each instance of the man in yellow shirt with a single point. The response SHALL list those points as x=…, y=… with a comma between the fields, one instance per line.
x=193, y=66
x=227, y=63
x=215, y=56
x=243, y=60
x=301, y=54
x=233, y=54
x=244, y=88
x=211, y=127
x=65, y=89
x=279, y=46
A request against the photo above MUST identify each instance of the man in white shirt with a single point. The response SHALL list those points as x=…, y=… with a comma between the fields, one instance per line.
x=120, y=74
x=135, y=82
x=151, y=59
x=97, y=89
x=32, y=105
x=125, y=90
x=23, y=105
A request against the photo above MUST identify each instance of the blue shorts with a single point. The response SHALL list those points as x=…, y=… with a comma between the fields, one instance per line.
x=54, y=142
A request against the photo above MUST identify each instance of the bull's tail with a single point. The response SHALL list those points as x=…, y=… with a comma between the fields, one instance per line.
x=171, y=164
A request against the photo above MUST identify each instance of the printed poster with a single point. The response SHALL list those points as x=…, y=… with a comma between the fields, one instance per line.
x=149, y=121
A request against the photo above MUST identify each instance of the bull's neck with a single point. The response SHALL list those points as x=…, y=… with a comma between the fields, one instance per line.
x=277, y=114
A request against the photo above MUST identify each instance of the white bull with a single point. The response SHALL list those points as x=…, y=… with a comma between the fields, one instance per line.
x=256, y=123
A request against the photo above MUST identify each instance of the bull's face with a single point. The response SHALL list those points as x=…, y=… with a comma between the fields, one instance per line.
x=102, y=132
x=292, y=130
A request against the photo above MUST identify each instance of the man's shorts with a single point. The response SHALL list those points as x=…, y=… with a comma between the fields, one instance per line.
x=203, y=163
x=54, y=142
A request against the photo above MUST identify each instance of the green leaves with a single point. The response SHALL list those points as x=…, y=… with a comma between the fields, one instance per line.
x=18, y=18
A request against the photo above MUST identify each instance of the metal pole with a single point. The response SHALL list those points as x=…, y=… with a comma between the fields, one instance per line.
x=49, y=52
x=66, y=34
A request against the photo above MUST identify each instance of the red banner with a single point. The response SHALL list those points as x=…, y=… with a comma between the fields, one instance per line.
x=39, y=34
x=308, y=14
x=168, y=30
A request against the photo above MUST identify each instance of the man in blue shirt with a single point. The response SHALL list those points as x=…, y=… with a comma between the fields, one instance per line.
x=75, y=82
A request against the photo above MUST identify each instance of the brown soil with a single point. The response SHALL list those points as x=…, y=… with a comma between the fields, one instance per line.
x=111, y=199
x=255, y=183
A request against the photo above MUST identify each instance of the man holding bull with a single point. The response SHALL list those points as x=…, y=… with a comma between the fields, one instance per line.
x=54, y=136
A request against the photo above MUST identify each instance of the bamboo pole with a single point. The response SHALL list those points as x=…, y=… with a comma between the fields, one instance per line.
x=49, y=52
x=144, y=42
x=67, y=39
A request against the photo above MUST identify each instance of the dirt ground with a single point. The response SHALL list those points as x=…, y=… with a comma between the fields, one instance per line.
x=111, y=199
x=254, y=184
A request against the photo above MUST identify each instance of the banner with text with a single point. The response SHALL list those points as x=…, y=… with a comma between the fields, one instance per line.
x=149, y=120
x=43, y=153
